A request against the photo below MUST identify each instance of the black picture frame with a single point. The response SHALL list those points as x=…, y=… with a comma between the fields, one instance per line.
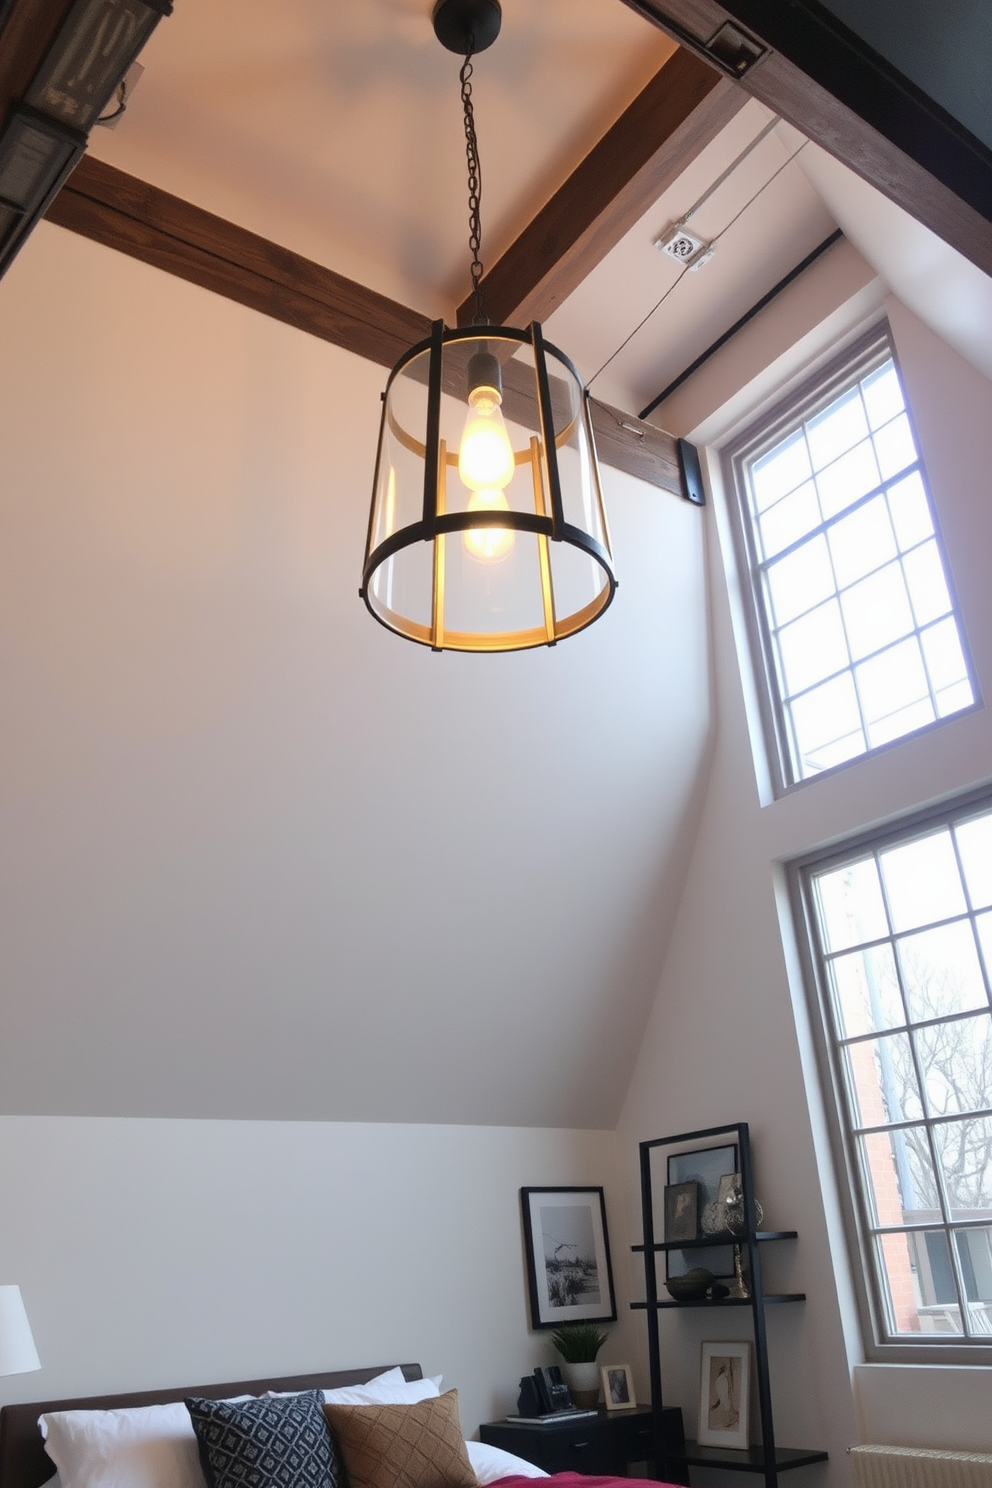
x=567, y=1249
x=682, y=1211
x=705, y=1167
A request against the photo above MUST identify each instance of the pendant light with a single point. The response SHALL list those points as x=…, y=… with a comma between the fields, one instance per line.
x=487, y=530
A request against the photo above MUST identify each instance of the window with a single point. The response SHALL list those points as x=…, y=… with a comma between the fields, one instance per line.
x=901, y=933
x=857, y=627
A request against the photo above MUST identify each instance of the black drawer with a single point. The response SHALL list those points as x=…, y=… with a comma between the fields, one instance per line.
x=600, y=1445
x=584, y=1452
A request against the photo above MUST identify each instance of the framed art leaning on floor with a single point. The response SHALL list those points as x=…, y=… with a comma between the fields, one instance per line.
x=724, y=1395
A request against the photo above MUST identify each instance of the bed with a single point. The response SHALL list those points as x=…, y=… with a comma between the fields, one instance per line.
x=25, y=1463
x=389, y=1428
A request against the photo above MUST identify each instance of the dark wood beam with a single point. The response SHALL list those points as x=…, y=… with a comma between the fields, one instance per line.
x=828, y=83
x=628, y=443
x=133, y=217
x=124, y=213
x=682, y=108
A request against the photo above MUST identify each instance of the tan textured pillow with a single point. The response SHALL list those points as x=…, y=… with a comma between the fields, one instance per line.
x=402, y=1446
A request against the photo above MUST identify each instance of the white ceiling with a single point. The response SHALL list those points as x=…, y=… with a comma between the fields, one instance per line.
x=762, y=219
x=336, y=129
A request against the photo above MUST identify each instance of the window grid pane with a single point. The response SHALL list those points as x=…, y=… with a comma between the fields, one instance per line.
x=863, y=642
x=899, y=932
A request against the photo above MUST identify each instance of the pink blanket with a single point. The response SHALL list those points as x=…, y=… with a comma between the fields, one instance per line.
x=576, y=1480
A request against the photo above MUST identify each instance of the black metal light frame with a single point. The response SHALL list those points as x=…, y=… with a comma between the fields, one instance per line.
x=551, y=525
x=569, y=597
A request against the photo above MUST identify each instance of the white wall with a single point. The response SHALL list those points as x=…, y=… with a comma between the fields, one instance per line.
x=259, y=857
x=162, y=1252
x=727, y=1039
x=261, y=860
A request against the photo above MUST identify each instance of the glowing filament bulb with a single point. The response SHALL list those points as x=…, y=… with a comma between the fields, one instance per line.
x=489, y=543
x=485, y=457
x=486, y=465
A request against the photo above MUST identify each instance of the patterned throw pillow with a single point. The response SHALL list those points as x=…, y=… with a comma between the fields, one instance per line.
x=271, y=1442
x=402, y=1446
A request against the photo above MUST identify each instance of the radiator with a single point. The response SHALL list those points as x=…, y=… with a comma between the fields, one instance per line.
x=920, y=1467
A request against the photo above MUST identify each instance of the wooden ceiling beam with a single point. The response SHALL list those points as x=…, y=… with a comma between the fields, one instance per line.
x=127, y=214
x=683, y=107
x=838, y=92
x=122, y=212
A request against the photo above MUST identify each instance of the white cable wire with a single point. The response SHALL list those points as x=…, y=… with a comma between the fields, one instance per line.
x=686, y=267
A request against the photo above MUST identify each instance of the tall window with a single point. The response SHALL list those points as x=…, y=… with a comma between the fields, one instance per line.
x=901, y=932
x=857, y=626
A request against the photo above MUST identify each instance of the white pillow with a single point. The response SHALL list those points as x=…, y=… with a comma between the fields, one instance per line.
x=144, y=1446
x=150, y=1446
x=491, y=1463
x=388, y=1388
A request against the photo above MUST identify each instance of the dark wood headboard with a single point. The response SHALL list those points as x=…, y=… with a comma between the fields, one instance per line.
x=24, y=1462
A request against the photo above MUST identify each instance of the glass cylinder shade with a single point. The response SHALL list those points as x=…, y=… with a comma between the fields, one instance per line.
x=487, y=530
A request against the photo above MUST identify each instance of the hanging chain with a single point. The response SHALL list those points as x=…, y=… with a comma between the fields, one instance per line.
x=474, y=188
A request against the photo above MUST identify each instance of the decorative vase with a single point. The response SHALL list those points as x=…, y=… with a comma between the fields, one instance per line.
x=583, y=1382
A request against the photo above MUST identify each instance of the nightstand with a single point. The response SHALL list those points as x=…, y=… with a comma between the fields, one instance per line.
x=602, y=1445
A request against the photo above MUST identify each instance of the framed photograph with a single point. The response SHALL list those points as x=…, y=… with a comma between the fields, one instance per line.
x=682, y=1211
x=618, y=1387
x=704, y=1167
x=569, y=1276
x=725, y=1395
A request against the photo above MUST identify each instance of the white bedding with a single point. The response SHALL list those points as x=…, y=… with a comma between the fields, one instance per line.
x=154, y=1446
x=491, y=1463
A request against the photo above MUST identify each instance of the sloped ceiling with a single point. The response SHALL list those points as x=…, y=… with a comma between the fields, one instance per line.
x=260, y=858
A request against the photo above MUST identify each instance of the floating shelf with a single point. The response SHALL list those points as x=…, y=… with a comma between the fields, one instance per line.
x=705, y=1241
x=767, y=1297
x=752, y=1460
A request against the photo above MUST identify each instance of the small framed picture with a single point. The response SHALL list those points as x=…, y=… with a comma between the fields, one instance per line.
x=725, y=1395
x=618, y=1387
x=569, y=1276
x=704, y=1167
x=682, y=1211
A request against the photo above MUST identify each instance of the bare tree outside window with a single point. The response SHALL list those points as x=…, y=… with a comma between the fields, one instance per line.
x=902, y=936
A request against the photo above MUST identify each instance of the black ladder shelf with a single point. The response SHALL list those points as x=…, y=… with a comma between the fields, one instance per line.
x=767, y=1459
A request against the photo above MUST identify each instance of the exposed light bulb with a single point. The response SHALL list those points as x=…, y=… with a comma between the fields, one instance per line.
x=485, y=461
x=489, y=543
x=485, y=456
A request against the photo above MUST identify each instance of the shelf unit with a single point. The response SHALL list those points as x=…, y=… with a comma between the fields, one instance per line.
x=767, y=1459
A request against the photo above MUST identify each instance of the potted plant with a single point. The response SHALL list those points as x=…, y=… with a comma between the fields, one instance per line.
x=578, y=1344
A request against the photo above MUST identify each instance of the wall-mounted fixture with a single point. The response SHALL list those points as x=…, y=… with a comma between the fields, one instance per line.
x=685, y=246
x=45, y=133
x=487, y=530
x=18, y=1354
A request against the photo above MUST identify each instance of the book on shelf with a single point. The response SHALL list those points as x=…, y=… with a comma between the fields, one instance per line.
x=552, y=1418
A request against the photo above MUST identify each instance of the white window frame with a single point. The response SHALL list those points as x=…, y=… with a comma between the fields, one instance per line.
x=854, y=363
x=880, y=1344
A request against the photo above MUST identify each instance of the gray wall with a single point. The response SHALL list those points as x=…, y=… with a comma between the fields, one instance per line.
x=945, y=49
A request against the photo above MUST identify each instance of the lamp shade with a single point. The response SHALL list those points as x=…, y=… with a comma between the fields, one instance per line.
x=487, y=530
x=18, y=1354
